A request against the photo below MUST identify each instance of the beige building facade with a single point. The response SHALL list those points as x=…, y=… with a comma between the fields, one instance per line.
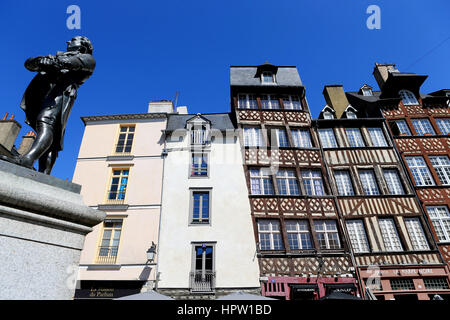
x=120, y=168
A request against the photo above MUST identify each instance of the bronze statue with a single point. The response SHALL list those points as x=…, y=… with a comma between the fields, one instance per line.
x=49, y=98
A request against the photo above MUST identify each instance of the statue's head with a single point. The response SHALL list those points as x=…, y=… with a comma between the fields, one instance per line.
x=81, y=44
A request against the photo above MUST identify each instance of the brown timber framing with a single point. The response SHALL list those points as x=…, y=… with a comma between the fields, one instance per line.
x=424, y=146
x=284, y=208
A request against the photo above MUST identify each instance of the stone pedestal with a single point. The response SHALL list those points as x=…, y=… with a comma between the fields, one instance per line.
x=43, y=223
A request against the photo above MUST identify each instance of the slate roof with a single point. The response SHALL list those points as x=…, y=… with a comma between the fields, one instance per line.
x=247, y=76
x=219, y=121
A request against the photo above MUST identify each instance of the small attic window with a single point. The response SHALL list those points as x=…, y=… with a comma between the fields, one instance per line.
x=328, y=115
x=351, y=115
x=267, y=77
x=408, y=97
x=367, y=92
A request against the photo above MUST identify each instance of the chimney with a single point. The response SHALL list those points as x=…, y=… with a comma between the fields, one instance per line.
x=9, y=129
x=27, y=141
x=336, y=98
x=160, y=106
x=381, y=73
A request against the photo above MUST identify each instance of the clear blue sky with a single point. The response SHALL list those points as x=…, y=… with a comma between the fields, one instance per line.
x=148, y=50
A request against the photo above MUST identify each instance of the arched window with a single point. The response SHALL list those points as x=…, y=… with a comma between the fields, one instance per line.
x=328, y=115
x=408, y=97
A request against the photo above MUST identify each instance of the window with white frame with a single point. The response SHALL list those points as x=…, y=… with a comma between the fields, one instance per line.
x=292, y=103
x=253, y=137
x=389, y=234
x=287, y=182
x=247, y=101
x=393, y=181
x=261, y=181
x=327, y=138
x=419, y=171
x=422, y=126
x=327, y=234
x=267, y=77
x=343, y=183
x=298, y=234
x=444, y=125
x=199, y=134
x=440, y=218
x=281, y=137
x=408, y=98
x=369, y=182
x=416, y=234
x=200, y=207
x=442, y=166
x=403, y=127
x=301, y=138
x=355, y=138
x=377, y=137
x=269, y=102
x=357, y=235
x=312, y=181
x=269, y=235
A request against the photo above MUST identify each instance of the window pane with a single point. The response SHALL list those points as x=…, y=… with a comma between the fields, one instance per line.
x=440, y=218
x=253, y=137
x=408, y=98
x=343, y=183
x=422, y=126
x=282, y=139
x=369, y=182
x=442, y=166
x=301, y=138
x=357, y=235
x=260, y=181
x=327, y=138
x=403, y=127
x=312, y=181
x=327, y=234
x=416, y=234
x=354, y=137
x=393, y=181
x=390, y=235
x=419, y=171
x=269, y=235
x=444, y=125
x=377, y=136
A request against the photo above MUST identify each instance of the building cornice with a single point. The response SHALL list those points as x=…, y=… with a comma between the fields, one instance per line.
x=133, y=116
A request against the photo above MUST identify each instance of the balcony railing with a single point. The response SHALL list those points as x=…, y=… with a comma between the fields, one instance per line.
x=199, y=170
x=107, y=255
x=202, y=281
x=199, y=137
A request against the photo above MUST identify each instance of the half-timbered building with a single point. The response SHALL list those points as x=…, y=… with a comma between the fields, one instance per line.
x=403, y=227
x=301, y=248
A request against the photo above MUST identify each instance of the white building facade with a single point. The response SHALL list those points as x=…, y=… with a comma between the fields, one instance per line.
x=206, y=241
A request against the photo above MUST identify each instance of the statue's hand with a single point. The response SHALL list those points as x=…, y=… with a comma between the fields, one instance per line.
x=32, y=64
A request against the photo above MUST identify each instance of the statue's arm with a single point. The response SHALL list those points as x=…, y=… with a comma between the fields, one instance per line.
x=79, y=62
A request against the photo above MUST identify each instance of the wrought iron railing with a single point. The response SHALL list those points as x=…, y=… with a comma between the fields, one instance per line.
x=107, y=255
x=202, y=281
x=199, y=170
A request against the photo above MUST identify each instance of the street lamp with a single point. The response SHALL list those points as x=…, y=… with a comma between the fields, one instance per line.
x=151, y=252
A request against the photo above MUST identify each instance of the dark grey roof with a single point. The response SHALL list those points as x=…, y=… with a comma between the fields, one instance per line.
x=246, y=76
x=219, y=121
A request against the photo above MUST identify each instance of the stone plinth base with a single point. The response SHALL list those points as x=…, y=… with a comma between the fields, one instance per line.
x=43, y=223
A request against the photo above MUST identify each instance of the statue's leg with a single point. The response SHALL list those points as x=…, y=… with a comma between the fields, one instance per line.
x=47, y=161
x=40, y=146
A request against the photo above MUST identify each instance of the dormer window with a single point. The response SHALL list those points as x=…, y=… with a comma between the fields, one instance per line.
x=351, y=115
x=408, y=97
x=199, y=128
x=350, y=112
x=328, y=115
x=199, y=135
x=367, y=92
x=267, y=77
